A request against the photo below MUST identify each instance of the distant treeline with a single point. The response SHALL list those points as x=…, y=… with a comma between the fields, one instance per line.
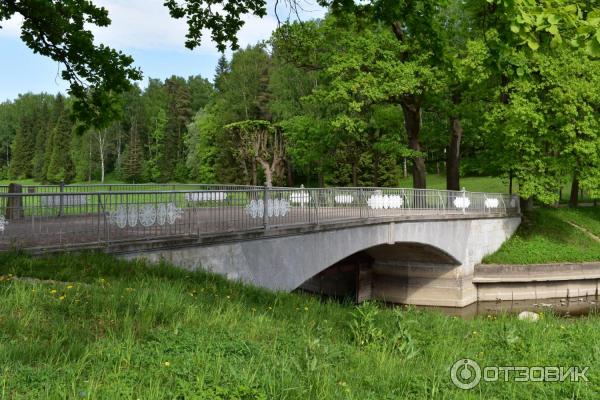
x=342, y=101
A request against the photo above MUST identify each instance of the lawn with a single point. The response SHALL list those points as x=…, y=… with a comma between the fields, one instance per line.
x=120, y=330
x=545, y=236
x=488, y=184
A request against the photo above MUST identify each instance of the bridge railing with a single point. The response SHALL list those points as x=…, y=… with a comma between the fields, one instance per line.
x=125, y=187
x=49, y=218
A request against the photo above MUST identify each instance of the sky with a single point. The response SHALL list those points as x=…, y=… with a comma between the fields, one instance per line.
x=140, y=28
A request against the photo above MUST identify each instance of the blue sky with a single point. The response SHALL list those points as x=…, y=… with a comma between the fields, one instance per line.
x=140, y=28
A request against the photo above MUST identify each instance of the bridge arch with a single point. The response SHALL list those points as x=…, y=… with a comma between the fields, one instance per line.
x=419, y=261
x=388, y=272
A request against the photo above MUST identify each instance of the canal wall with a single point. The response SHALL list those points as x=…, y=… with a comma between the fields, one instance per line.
x=504, y=282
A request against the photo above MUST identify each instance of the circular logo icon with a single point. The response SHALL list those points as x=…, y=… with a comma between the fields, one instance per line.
x=465, y=374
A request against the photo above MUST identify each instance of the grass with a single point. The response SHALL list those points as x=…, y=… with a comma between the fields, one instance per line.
x=585, y=217
x=128, y=330
x=545, y=236
x=486, y=184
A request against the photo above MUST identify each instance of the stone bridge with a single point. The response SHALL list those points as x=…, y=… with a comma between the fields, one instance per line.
x=425, y=261
x=397, y=245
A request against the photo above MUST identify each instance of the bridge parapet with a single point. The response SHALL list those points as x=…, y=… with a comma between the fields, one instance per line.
x=92, y=215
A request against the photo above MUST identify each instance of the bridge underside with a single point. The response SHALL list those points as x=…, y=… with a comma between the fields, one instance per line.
x=406, y=273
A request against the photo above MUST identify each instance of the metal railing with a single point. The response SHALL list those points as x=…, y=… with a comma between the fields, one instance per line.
x=123, y=187
x=39, y=218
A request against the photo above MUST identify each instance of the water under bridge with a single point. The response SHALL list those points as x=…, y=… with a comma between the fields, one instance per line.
x=413, y=246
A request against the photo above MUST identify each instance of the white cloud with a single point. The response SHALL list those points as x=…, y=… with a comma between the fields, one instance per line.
x=147, y=25
x=12, y=27
x=143, y=25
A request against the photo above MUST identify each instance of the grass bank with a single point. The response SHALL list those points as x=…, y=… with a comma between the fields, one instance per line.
x=548, y=236
x=128, y=330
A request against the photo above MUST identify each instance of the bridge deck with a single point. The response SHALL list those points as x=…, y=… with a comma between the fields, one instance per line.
x=80, y=216
x=94, y=229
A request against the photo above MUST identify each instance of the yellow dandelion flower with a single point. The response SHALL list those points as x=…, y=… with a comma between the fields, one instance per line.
x=167, y=364
x=305, y=308
x=61, y=298
x=70, y=287
x=53, y=291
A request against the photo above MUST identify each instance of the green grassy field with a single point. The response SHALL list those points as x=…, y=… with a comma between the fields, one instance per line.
x=545, y=236
x=475, y=184
x=121, y=330
x=487, y=184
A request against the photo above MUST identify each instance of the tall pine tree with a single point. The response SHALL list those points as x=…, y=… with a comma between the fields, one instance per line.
x=179, y=112
x=61, y=167
x=132, y=164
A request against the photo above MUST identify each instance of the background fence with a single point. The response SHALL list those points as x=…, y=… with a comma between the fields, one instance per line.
x=49, y=216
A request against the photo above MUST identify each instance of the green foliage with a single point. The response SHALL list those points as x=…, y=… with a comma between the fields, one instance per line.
x=224, y=28
x=152, y=171
x=363, y=326
x=99, y=327
x=543, y=231
x=57, y=29
x=32, y=122
x=259, y=141
x=60, y=166
x=508, y=87
x=132, y=164
x=203, y=153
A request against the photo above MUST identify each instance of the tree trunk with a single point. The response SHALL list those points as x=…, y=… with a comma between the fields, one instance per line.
x=14, y=204
x=290, y=176
x=101, y=144
x=412, y=122
x=574, y=200
x=268, y=172
x=453, y=156
x=510, y=182
x=102, y=163
x=404, y=168
x=90, y=161
x=526, y=204
x=376, y=157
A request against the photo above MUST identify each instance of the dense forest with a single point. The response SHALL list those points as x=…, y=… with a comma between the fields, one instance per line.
x=458, y=89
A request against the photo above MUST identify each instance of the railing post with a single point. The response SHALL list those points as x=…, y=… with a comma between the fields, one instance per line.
x=60, y=200
x=360, y=202
x=99, y=213
x=14, y=204
x=317, y=205
x=266, y=207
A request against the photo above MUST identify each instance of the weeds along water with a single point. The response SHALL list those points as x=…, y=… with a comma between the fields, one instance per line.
x=91, y=326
